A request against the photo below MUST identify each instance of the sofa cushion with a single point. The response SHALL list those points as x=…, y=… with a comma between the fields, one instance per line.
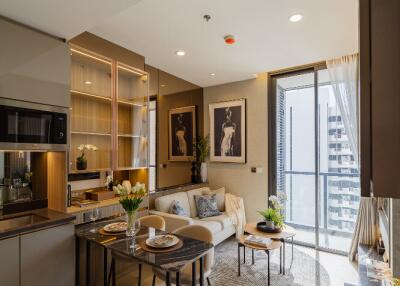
x=206, y=205
x=223, y=219
x=192, y=203
x=163, y=203
x=177, y=209
x=220, y=197
x=213, y=226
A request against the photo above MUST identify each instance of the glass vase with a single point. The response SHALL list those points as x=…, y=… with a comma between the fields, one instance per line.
x=132, y=224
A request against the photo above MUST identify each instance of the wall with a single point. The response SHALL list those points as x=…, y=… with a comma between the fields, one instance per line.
x=237, y=178
x=34, y=67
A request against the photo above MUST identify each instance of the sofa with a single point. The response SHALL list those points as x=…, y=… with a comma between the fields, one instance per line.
x=221, y=226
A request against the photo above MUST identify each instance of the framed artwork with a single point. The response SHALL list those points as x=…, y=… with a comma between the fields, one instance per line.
x=228, y=131
x=182, y=133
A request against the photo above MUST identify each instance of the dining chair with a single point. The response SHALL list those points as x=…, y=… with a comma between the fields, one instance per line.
x=196, y=232
x=153, y=221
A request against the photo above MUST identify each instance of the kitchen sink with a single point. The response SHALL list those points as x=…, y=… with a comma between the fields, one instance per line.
x=20, y=221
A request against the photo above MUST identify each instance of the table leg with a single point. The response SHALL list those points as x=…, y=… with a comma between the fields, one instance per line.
x=114, y=272
x=178, y=279
x=194, y=273
x=168, y=279
x=280, y=260
x=291, y=262
x=252, y=256
x=201, y=261
x=105, y=262
x=284, y=256
x=269, y=273
x=77, y=260
x=140, y=275
x=238, y=259
x=244, y=254
x=88, y=263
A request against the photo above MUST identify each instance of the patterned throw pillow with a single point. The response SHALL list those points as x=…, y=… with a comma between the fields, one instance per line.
x=206, y=205
x=177, y=209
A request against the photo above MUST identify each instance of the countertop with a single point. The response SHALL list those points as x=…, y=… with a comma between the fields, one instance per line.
x=51, y=218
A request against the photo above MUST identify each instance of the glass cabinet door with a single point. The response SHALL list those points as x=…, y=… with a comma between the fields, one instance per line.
x=132, y=133
x=91, y=111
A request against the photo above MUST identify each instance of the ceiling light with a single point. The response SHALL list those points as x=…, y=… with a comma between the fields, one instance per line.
x=295, y=17
x=212, y=74
x=163, y=85
x=88, y=82
x=180, y=53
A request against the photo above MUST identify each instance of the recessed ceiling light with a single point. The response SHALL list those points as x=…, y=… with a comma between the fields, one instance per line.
x=88, y=82
x=212, y=74
x=180, y=53
x=163, y=85
x=295, y=17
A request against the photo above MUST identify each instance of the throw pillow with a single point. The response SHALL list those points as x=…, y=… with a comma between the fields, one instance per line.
x=207, y=206
x=177, y=209
x=220, y=197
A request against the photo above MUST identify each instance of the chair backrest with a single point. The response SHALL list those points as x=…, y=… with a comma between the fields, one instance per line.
x=202, y=233
x=154, y=221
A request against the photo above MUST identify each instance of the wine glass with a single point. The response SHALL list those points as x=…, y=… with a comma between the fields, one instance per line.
x=94, y=215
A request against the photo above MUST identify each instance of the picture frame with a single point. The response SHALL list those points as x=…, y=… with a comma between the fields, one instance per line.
x=181, y=134
x=228, y=131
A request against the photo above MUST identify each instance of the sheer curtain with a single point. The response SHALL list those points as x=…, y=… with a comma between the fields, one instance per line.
x=344, y=77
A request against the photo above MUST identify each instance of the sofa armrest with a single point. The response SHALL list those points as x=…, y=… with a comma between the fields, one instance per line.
x=172, y=221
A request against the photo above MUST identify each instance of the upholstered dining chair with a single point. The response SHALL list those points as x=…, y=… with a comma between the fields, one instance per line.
x=153, y=221
x=196, y=232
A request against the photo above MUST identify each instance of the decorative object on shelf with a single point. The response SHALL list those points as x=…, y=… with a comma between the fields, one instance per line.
x=228, y=131
x=273, y=215
x=202, y=149
x=81, y=161
x=195, y=178
x=109, y=182
x=182, y=133
x=130, y=200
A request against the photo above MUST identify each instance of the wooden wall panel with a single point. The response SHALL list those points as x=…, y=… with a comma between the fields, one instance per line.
x=57, y=180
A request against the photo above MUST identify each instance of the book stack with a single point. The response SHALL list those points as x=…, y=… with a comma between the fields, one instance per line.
x=258, y=241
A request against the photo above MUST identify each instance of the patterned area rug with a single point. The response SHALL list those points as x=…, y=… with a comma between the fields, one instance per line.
x=305, y=270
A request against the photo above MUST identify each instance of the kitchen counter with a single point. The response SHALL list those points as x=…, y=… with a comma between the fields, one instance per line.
x=24, y=222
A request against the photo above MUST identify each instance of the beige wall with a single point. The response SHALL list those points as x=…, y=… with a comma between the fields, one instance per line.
x=175, y=173
x=237, y=178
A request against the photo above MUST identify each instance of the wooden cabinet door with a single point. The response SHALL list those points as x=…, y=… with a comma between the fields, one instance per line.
x=48, y=257
x=385, y=96
x=9, y=264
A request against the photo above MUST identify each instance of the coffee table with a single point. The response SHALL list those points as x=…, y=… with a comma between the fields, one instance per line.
x=287, y=233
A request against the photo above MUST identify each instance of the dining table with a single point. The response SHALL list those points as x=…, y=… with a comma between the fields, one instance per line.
x=190, y=252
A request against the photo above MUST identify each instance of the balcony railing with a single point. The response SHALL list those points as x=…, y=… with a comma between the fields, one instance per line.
x=332, y=199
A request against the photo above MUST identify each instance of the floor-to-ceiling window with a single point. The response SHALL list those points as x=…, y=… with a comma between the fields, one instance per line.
x=313, y=163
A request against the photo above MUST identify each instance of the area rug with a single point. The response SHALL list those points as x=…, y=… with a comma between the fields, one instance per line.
x=305, y=270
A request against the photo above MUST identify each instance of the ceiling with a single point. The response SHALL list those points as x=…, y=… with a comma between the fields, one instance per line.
x=266, y=40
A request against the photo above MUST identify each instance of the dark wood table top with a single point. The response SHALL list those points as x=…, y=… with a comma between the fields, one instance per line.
x=174, y=261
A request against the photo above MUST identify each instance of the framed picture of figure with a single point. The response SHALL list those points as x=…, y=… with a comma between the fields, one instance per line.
x=228, y=131
x=182, y=133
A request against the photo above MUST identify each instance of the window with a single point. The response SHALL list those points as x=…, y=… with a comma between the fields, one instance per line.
x=152, y=145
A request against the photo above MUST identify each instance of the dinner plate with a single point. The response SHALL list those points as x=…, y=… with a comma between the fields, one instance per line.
x=116, y=227
x=162, y=241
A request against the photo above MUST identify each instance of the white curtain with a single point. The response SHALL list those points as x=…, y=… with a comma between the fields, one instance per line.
x=343, y=73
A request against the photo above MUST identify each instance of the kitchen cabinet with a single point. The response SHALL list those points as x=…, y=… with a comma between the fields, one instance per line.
x=9, y=265
x=34, y=66
x=48, y=257
x=380, y=97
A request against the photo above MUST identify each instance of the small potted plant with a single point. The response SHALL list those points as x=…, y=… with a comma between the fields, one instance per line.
x=81, y=161
x=130, y=199
x=273, y=215
x=202, y=148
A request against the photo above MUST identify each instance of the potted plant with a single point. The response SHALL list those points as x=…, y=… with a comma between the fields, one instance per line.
x=81, y=161
x=202, y=148
x=273, y=215
x=130, y=200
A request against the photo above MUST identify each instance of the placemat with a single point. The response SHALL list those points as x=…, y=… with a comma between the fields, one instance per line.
x=145, y=247
x=103, y=232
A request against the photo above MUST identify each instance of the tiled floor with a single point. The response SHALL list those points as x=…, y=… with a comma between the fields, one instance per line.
x=340, y=270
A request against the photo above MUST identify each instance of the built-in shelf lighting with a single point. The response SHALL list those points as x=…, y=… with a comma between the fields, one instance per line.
x=212, y=74
x=295, y=17
x=180, y=53
x=88, y=82
x=90, y=56
x=163, y=85
x=131, y=70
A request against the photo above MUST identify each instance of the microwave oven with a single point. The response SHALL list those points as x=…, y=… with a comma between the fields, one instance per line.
x=32, y=126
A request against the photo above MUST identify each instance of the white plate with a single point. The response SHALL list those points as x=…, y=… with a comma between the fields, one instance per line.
x=116, y=227
x=162, y=241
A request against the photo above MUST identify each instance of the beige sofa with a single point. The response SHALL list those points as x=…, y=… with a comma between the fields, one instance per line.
x=221, y=226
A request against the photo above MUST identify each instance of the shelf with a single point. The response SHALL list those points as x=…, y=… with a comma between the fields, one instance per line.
x=131, y=168
x=95, y=96
x=73, y=171
x=132, y=103
x=90, y=133
x=131, y=136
